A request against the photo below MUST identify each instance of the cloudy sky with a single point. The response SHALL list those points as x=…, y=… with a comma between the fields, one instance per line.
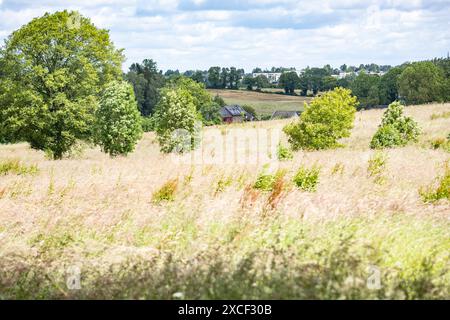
x=196, y=34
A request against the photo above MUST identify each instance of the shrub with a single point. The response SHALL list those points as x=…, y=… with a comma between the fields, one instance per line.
x=148, y=124
x=166, y=192
x=284, y=153
x=395, y=129
x=16, y=167
x=434, y=193
x=377, y=166
x=175, y=121
x=266, y=181
x=118, y=124
x=307, y=179
x=326, y=120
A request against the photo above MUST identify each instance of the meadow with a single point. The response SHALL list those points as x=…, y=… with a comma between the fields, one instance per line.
x=265, y=103
x=144, y=226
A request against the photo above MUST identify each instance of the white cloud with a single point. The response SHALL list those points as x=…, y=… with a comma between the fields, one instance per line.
x=198, y=34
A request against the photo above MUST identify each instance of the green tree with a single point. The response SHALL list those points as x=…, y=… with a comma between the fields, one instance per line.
x=261, y=82
x=202, y=99
x=289, y=81
x=118, y=121
x=54, y=69
x=395, y=129
x=325, y=120
x=366, y=88
x=421, y=82
x=225, y=78
x=388, y=86
x=214, y=77
x=248, y=82
x=147, y=80
x=176, y=121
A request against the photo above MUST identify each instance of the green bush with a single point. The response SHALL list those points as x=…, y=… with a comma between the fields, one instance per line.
x=326, y=120
x=266, y=181
x=284, y=153
x=176, y=121
x=118, y=123
x=395, y=129
x=307, y=179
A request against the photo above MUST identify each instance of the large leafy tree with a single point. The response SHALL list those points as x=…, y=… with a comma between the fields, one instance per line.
x=54, y=69
x=366, y=88
x=421, y=82
x=388, y=87
x=214, y=77
x=289, y=81
x=325, y=120
x=176, y=121
x=147, y=80
x=118, y=121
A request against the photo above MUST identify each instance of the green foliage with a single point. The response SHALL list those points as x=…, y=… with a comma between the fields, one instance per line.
x=201, y=98
x=118, y=121
x=14, y=166
x=388, y=86
x=284, y=153
x=53, y=70
x=146, y=80
x=377, y=167
x=166, y=192
x=176, y=121
x=307, y=179
x=148, y=124
x=219, y=101
x=366, y=88
x=267, y=181
x=395, y=129
x=421, y=82
x=326, y=120
x=289, y=82
x=439, y=190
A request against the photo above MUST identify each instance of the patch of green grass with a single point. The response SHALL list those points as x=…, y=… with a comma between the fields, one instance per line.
x=273, y=258
x=14, y=166
x=166, y=192
x=439, y=190
x=266, y=181
x=442, y=115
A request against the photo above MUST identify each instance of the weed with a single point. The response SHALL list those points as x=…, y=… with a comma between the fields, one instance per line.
x=307, y=179
x=166, y=192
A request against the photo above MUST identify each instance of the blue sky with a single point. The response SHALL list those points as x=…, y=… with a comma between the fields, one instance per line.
x=197, y=34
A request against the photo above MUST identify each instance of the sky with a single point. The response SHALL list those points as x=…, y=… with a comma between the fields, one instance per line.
x=197, y=34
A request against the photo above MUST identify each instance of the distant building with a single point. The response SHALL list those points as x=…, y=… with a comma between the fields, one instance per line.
x=285, y=114
x=234, y=114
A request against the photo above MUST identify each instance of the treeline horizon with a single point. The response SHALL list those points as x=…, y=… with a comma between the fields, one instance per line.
x=423, y=82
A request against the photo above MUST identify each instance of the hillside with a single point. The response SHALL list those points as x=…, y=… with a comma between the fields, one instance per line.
x=217, y=236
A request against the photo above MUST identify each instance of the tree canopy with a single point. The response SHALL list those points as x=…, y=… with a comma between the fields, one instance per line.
x=54, y=69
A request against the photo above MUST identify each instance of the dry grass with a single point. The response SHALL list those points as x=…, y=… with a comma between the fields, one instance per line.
x=98, y=213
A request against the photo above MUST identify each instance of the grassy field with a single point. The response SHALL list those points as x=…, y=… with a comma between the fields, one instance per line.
x=96, y=227
x=264, y=103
